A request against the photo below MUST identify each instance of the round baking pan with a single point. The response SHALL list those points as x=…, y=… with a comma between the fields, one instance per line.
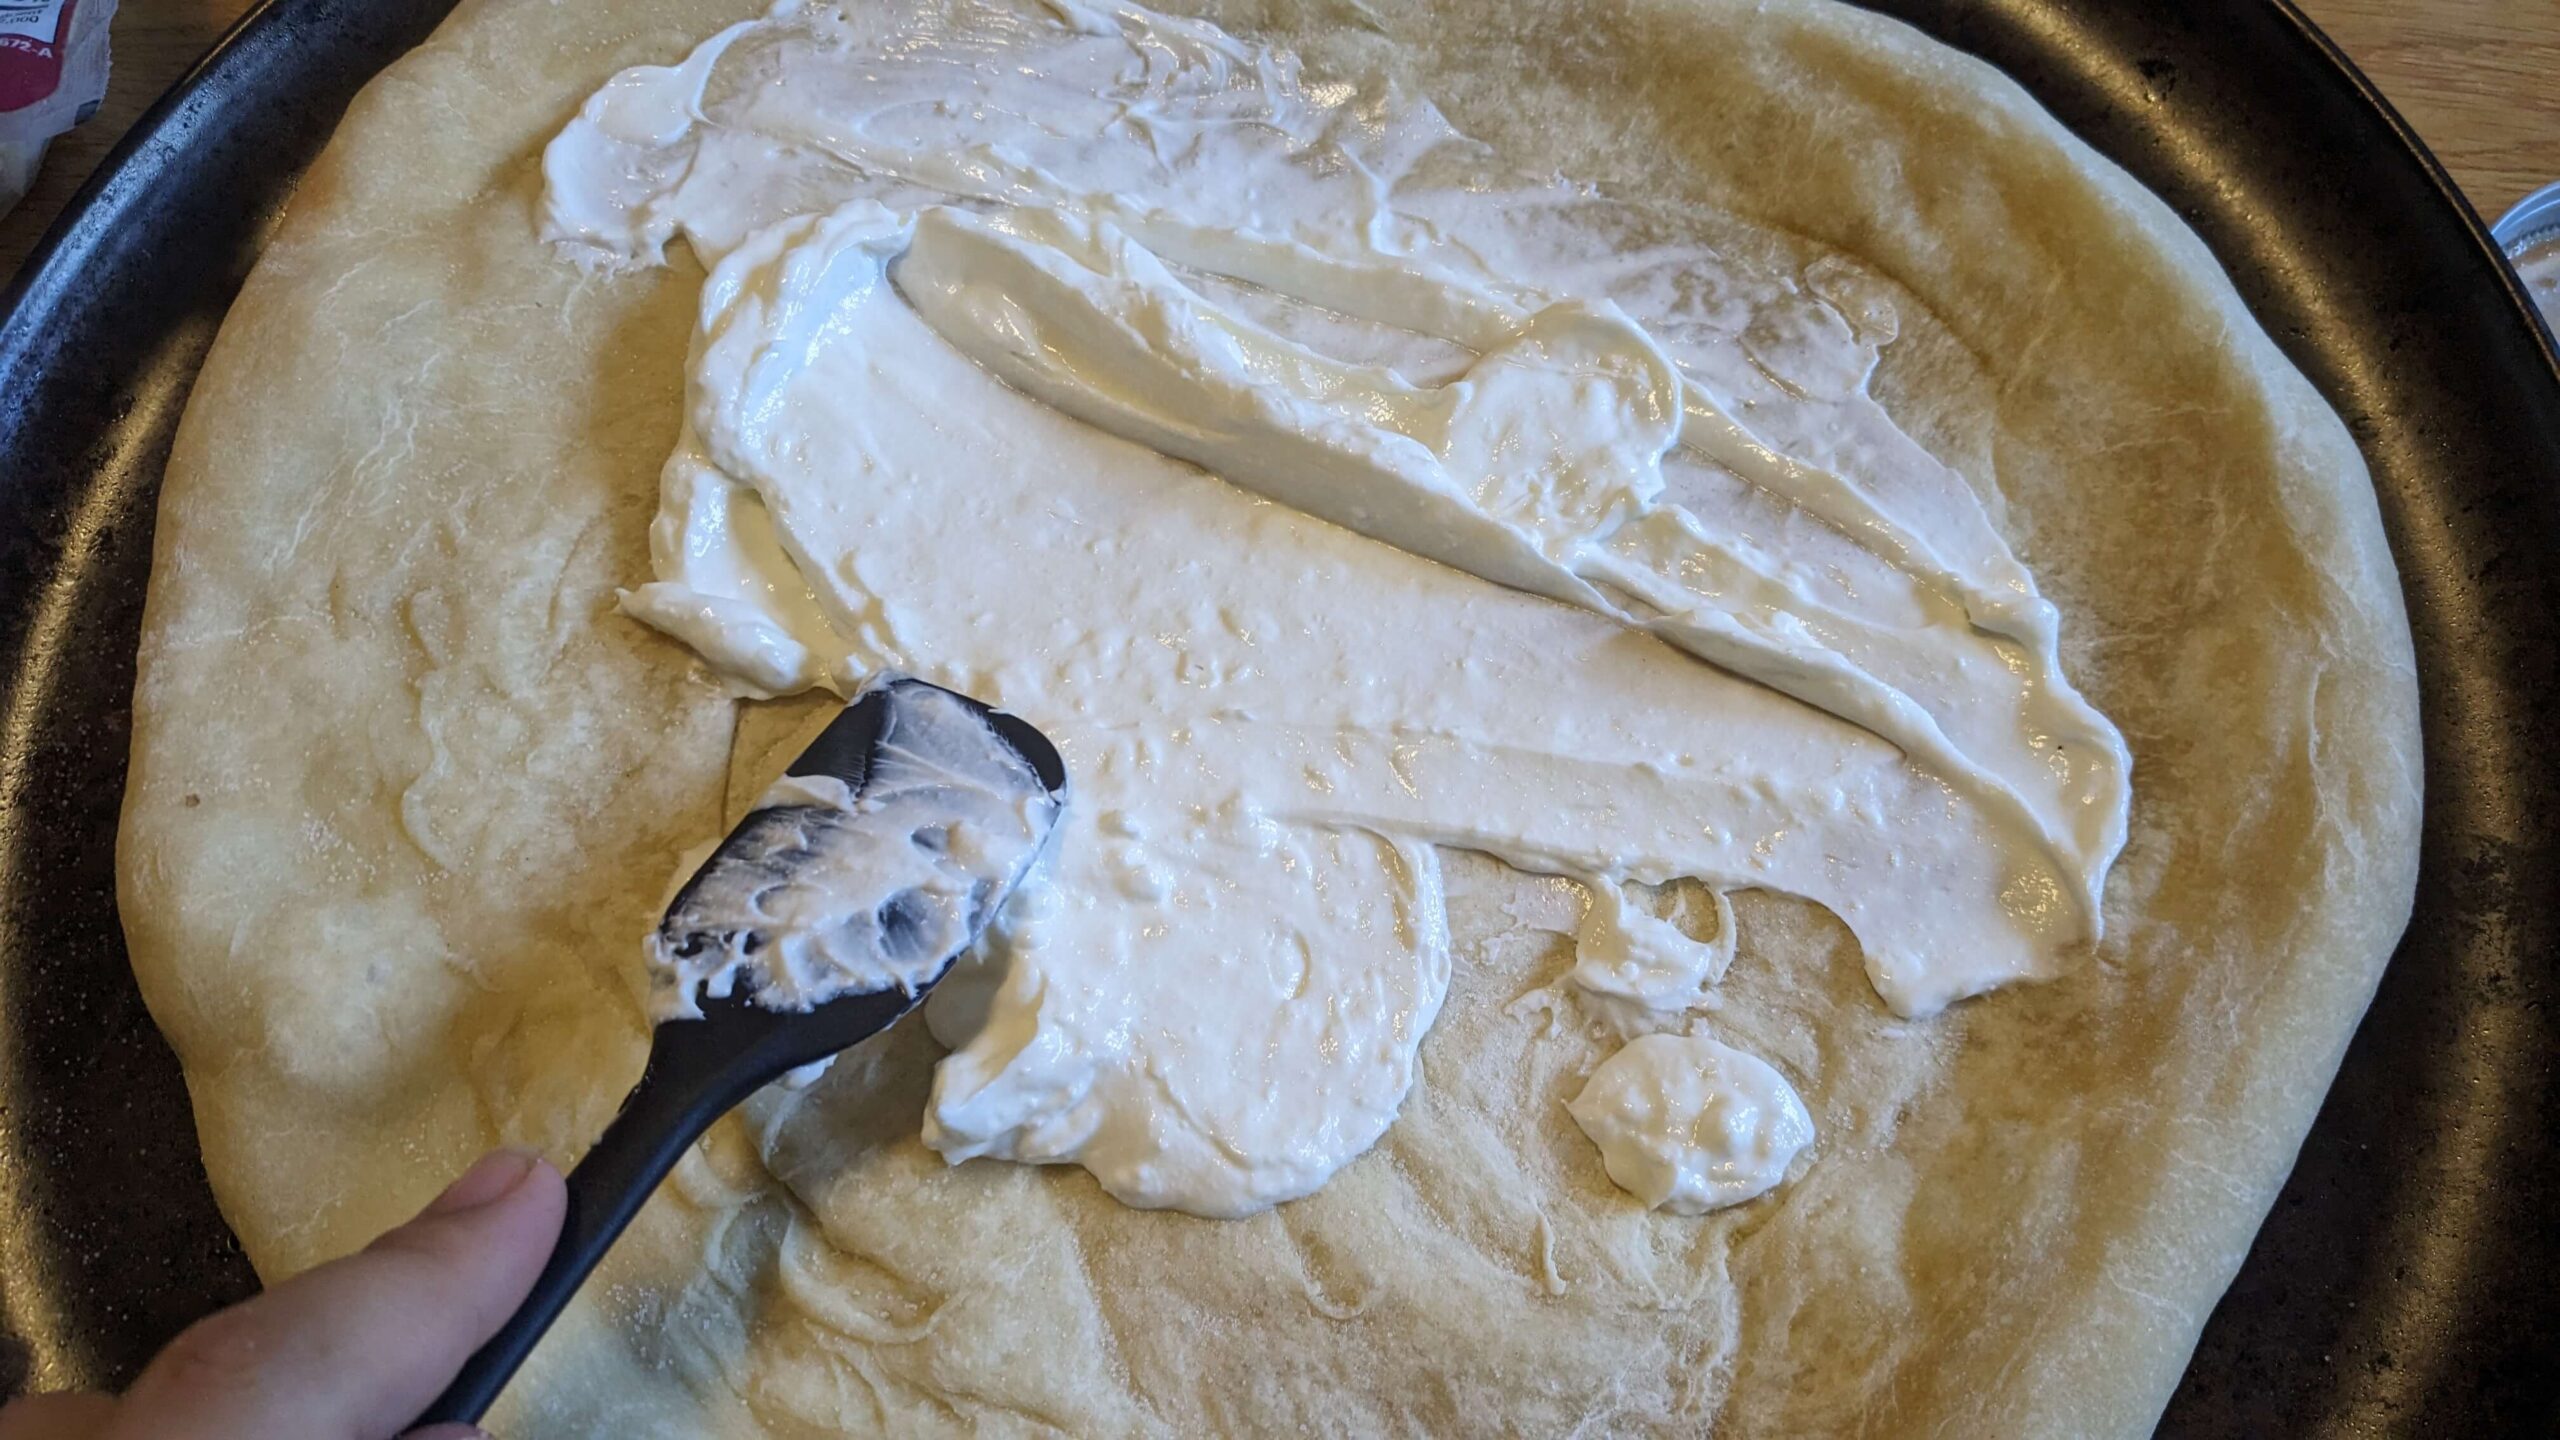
x=2401, y=1283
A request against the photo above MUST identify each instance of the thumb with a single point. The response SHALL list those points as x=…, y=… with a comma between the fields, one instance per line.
x=354, y=1349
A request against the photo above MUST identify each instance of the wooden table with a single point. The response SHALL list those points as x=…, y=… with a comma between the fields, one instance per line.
x=2480, y=79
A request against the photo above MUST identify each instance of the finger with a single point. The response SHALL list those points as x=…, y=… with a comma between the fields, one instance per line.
x=354, y=1349
x=55, y=1417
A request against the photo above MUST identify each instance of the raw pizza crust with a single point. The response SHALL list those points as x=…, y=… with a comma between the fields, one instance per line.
x=404, y=793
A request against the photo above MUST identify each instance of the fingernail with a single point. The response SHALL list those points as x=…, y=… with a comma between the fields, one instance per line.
x=496, y=1175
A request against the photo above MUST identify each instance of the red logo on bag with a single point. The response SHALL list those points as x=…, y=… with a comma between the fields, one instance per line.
x=31, y=36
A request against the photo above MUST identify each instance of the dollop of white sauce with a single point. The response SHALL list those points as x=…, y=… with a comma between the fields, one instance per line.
x=1688, y=1125
x=1626, y=954
x=1330, y=492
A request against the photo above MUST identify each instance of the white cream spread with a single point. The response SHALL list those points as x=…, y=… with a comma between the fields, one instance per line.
x=1688, y=1125
x=1329, y=492
x=821, y=891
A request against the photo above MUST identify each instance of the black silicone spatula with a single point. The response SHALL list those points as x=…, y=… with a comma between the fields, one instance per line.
x=699, y=1069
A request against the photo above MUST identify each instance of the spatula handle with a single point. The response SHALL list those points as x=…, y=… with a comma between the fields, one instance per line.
x=606, y=1189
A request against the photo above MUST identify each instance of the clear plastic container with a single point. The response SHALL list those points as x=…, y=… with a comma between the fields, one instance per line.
x=2530, y=234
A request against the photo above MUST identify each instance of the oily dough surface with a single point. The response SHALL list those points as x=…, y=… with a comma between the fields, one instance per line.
x=406, y=791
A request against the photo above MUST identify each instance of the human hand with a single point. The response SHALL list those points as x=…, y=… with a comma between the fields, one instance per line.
x=351, y=1350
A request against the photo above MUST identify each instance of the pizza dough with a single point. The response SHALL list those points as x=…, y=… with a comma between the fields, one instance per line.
x=405, y=792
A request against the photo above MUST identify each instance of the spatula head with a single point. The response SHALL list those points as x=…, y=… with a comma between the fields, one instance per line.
x=832, y=908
